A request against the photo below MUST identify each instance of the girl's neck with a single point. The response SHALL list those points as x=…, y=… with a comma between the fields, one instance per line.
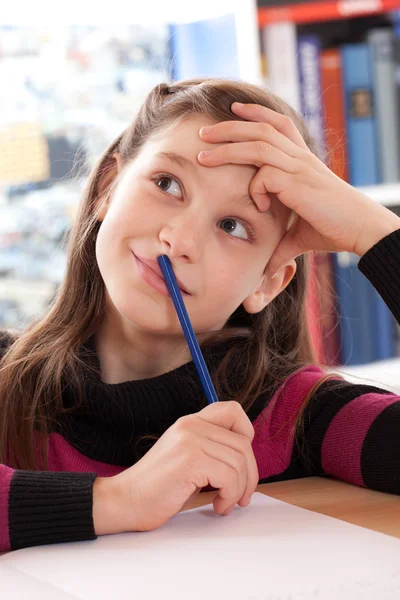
x=137, y=357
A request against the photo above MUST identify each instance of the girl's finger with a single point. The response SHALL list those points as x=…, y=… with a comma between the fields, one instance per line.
x=225, y=479
x=260, y=192
x=241, y=131
x=234, y=459
x=249, y=153
x=228, y=414
x=262, y=114
x=271, y=180
x=242, y=445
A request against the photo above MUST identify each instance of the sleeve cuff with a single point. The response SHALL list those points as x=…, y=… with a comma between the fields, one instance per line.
x=50, y=507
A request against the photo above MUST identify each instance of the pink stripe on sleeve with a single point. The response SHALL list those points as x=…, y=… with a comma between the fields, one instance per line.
x=5, y=481
x=344, y=438
x=64, y=457
x=274, y=429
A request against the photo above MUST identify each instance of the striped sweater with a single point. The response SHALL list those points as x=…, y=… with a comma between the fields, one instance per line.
x=351, y=432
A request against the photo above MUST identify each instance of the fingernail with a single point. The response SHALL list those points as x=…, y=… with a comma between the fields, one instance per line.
x=205, y=130
x=204, y=153
x=238, y=104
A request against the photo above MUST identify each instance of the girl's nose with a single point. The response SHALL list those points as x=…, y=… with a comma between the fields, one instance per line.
x=184, y=238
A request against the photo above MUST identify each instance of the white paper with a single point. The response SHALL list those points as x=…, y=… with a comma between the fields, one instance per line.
x=270, y=550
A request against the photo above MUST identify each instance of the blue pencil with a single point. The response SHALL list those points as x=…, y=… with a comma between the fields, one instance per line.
x=191, y=339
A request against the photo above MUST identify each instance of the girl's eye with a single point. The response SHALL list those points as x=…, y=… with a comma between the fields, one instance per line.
x=164, y=183
x=233, y=227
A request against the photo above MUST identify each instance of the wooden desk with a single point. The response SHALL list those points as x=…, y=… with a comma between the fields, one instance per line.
x=367, y=508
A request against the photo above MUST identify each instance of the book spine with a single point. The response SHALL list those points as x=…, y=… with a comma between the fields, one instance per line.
x=309, y=68
x=327, y=307
x=313, y=313
x=360, y=114
x=334, y=112
x=279, y=42
x=381, y=42
x=354, y=310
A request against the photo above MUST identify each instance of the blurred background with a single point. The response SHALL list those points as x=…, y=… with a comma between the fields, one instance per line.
x=73, y=76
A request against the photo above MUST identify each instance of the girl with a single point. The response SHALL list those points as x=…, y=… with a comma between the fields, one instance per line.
x=104, y=425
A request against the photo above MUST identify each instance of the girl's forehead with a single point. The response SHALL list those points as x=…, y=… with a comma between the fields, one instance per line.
x=182, y=144
x=182, y=139
x=188, y=126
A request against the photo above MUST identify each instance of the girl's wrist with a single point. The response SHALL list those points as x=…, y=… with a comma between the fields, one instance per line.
x=108, y=513
x=383, y=224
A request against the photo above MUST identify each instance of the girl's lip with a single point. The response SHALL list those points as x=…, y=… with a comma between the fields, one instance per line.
x=155, y=280
x=154, y=266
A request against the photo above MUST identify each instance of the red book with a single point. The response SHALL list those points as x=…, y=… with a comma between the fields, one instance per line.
x=321, y=310
x=334, y=112
x=313, y=312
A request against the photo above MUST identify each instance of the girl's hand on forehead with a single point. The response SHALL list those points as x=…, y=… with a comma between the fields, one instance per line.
x=331, y=215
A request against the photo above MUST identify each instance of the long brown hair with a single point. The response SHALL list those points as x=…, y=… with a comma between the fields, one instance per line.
x=269, y=345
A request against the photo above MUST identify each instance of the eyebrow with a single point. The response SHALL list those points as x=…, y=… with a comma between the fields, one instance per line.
x=243, y=199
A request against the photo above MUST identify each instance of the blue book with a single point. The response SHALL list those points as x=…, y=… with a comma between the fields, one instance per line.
x=362, y=134
x=383, y=327
x=366, y=325
x=353, y=309
x=204, y=48
x=309, y=71
x=395, y=18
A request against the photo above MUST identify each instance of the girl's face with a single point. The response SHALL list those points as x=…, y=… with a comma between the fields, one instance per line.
x=218, y=242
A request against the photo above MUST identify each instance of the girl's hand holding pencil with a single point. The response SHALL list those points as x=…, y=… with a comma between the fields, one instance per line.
x=211, y=447
x=330, y=214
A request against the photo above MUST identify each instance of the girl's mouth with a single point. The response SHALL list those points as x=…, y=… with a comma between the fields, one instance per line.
x=156, y=281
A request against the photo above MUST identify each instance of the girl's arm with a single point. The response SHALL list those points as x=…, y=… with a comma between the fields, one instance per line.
x=353, y=430
x=354, y=433
x=44, y=508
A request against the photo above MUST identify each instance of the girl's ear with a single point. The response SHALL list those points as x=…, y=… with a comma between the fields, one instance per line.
x=104, y=186
x=269, y=288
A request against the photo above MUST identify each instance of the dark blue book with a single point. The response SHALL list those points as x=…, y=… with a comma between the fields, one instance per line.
x=309, y=69
x=366, y=326
x=353, y=309
x=383, y=327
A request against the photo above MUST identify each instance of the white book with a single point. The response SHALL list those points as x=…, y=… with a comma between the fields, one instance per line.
x=279, y=41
